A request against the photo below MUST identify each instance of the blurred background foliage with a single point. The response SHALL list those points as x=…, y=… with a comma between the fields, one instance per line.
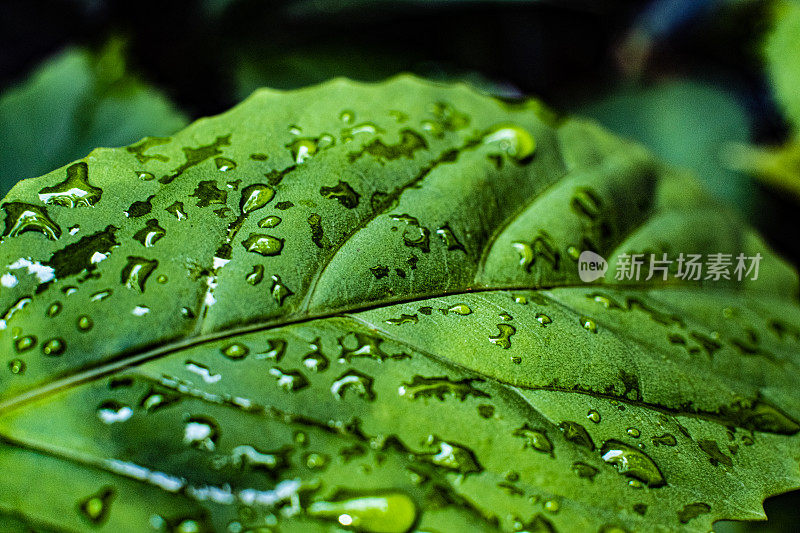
x=711, y=85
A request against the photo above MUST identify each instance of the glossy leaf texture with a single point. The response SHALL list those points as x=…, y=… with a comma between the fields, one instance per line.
x=358, y=306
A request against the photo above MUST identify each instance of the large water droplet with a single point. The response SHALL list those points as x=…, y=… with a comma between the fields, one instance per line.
x=266, y=245
x=235, y=351
x=22, y=217
x=289, y=380
x=515, y=141
x=384, y=513
x=503, y=339
x=255, y=197
x=75, y=191
x=632, y=462
x=54, y=347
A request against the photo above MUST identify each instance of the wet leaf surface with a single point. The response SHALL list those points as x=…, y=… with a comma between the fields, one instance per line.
x=358, y=306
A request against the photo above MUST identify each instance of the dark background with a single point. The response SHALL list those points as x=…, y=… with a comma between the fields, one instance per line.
x=684, y=77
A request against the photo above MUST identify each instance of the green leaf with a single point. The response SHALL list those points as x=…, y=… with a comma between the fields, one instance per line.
x=359, y=305
x=781, y=49
x=73, y=103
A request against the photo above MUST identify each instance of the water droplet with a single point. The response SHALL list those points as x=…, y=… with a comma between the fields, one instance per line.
x=403, y=319
x=85, y=323
x=140, y=208
x=255, y=197
x=439, y=387
x=22, y=217
x=453, y=457
x=534, y=438
x=594, y=416
x=111, y=412
x=140, y=310
x=315, y=461
x=201, y=432
x=95, y=508
x=145, y=176
x=551, y=506
x=365, y=127
x=577, y=434
x=584, y=470
x=410, y=142
x=23, y=344
x=224, y=164
x=633, y=432
x=135, y=274
x=278, y=290
x=588, y=324
x=347, y=116
x=543, y=319
x=150, y=234
x=17, y=366
x=96, y=297
x=632, y=462
x=355, y=381
x=269, y=222
x=516, y=142
x=54, y=347
x=266, y=245
x=366, y=346
x=342, y=192
x=75, y=191
x=177, y=210
x=207, y=193
x=203, y=371
x=503, y=339
x=315, y=360
x=383, y=513
x=54, y=309
x=693, y=510
x=666, y=439
x=235, y=351
x=256, y=275
x=275, y=351
x=289, y=380
x=458, y=309
x=162, y=279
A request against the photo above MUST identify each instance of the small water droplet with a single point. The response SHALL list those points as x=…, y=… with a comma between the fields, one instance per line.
x=23, y=344
x=54, y=347
x=235, y=351
x=85, y=323
x=224, y=164
x=633, y=432
x=95, y=508
x=514, y=141
x=594, y=416
x=54, y=309
x=151, y=233
x=177, y=210
x=256, y=275
x=201, y=432
x=135, y=274
x=458, y=309
x=551, y=506
x=289, y=380
x=111, y=412
x=534, y=439
x=145, y=176
x=503, y=339
x=16, y=366
x=269, y=222
x=588, y=324
x=279, y=290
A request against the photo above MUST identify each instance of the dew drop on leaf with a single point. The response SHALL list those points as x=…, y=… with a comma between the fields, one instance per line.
x=235, y=351
x=54, y=347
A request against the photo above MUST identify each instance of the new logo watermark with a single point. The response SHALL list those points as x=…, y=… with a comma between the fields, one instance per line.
x=591, y=266
x=694, y=267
